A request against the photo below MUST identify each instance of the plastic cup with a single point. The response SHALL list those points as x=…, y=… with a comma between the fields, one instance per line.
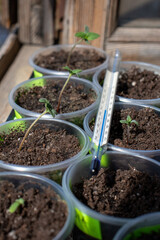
x=19, y=178
x=125, y=66
x=76, y=117
x=91, y=224
x=39, y=71
x=147, y=224
x=155, y=154
x=55, y=170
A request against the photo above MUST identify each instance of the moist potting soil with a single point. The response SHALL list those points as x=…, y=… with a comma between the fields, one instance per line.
x=80, y=59
x=74, y=97
x=145, y=136
x=41, y=217
x=137, y=84
x=120, y=193
x=44, y=145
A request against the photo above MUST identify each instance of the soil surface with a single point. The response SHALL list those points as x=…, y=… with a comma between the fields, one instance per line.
x=145, y=136
x=122, y=193
x=137, y=84
x=41, y=217
x=74, y=97
x=144, y=236
x=44, y=145
x=80, y=59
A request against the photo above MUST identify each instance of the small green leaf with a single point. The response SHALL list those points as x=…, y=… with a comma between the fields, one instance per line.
x=48, y=106
x=92, y=36
x=129, y=119
x=123, y=121
x=76, y=71
x=81, y=35
x=43, y=100
x=67, y=68
x=14, y=206
x=134, y=121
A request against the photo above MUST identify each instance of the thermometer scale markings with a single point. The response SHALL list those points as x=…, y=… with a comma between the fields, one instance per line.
x=106, y=104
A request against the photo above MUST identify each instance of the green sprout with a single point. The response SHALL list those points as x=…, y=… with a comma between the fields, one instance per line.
x=14, y=206
x=128, y=121
x=71, y=73
x=86, y=36
x=48, y=109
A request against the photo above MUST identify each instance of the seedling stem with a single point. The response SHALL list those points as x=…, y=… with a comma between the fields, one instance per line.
x=48, y=109
x=71, y=72
x=84, y=36
x=128, y=121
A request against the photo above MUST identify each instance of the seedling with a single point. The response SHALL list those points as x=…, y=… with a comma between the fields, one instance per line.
x=14, y=206
x=71, y=72
x=84, y=36
x=48, y=109
x=128, y=121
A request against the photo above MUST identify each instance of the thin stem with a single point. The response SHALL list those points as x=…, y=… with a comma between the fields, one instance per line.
x=69, y=56
x=28, y=130
x=60, y=95
x=128, y=133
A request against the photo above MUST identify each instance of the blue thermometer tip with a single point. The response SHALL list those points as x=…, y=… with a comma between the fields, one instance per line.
x=95, y=166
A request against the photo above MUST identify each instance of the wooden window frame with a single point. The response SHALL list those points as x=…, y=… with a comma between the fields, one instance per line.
x=128, y=34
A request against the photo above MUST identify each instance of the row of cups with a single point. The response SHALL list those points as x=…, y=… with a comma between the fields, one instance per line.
x=89, y=224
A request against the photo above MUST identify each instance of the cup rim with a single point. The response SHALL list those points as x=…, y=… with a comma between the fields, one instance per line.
x=138, y=222
x=59, y=191
x=59, y=46
x=152, y=101
x=49, y=167
x=112, y=146
x=69, y=115
x=101, y=217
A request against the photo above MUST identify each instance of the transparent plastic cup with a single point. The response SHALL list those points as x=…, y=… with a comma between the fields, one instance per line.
x=19, y=178
x=125, y=66
x=147, y=224
x=75, y=117
x=155, y=154
x=91, y=224
x=39, y=71
x=54, y=171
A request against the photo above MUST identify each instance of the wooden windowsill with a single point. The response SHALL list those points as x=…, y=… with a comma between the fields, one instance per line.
x=19, y=71
x=128, y=34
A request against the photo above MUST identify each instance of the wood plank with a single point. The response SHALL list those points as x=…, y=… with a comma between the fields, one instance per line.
x=94, y=16
x=8, y=52
x=145, y=52
x=125, y=34
x=48, y=33
x=59, y=20
x=5, y=18
x=24, y=20
x=112, y=17
x=18, y=72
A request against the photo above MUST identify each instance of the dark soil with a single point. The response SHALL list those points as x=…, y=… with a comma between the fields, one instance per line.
x=122, y=193
x=137, y=84
x=44, y=145
x=74, y=97
x=80, y=59
x=145, y=136
x=42, y=216
x=144, y=236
